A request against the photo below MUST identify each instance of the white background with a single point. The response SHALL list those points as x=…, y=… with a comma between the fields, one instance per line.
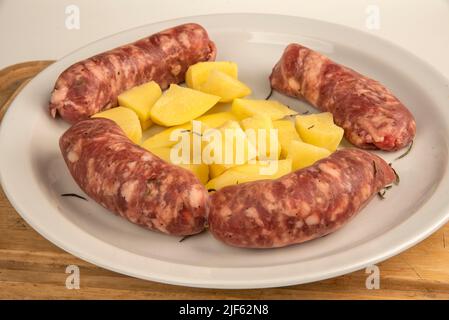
x=35, y=29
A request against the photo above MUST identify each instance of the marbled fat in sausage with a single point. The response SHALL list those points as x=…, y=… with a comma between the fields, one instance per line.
x=92, y=85
x=300, y=206
x=131, y=181
x=370, y=114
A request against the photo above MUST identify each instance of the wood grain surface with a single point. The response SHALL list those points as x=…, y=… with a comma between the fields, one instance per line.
x=33, y=268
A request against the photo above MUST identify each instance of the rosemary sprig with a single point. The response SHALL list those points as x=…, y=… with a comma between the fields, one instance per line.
x=185, y=237
x=375, y=168
x=381, y=193
x=73, y=195
x=190, y=131
x=192, y=235
x=395, y=174
x=269, y=95
x=406, y=152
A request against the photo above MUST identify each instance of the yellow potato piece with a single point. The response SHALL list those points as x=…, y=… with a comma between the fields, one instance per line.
x=163, y=153
x=179, y=105
x=126, y=119
x=260, y=125
x=162, y=139
x=140, y=99
x=189, y=143
x=215, y=120
x=304, y=154
x=286, y=134
x=244, y=108
x=216, y=169
x=228, y=88
x=237, y=151
x=198, y=73
x=146, y=124
x=201, y=171
x=325, y=118
x=319, y=130
x=251, y=172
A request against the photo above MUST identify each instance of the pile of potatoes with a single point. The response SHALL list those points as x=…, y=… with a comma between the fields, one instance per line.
x=214, y=96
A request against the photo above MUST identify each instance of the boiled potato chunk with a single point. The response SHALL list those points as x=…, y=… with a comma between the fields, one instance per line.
x=146, y=124
x=126, y=119
x=325, y=118
x=251, y=172
x=198, y=73
x=258, y=128
x=201, y=171
x=163, y=153
x=234, y=148
x=319, y=130
x=228, y=88
x=286, y=134
x=215, y=120
x=162, y=139
x=140, y=99
x=193, y=137
x=243, y=108
x=179, y=105
x=304, y=154
x=216, y=169
x=189, y=143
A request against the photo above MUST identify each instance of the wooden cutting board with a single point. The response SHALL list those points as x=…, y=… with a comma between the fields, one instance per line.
x=31, y=267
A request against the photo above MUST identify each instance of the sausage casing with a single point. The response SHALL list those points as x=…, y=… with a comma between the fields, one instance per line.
x=370, y=114
x=132, y=182
x=300, y=206
x=94, y=84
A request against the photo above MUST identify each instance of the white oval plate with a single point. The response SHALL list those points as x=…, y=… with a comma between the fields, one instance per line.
x=33, y=173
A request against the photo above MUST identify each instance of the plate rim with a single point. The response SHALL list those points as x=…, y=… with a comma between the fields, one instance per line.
x=211, y=282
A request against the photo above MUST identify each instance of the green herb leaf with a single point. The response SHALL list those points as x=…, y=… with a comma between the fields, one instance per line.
x=73, y=195
x=381, y=194
x=269, y=95
x=406, y=152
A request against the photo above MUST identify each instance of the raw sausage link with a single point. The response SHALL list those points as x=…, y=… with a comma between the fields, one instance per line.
x=370, y=114
x=300, y=206
x=92, y=85
x=131, y=181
